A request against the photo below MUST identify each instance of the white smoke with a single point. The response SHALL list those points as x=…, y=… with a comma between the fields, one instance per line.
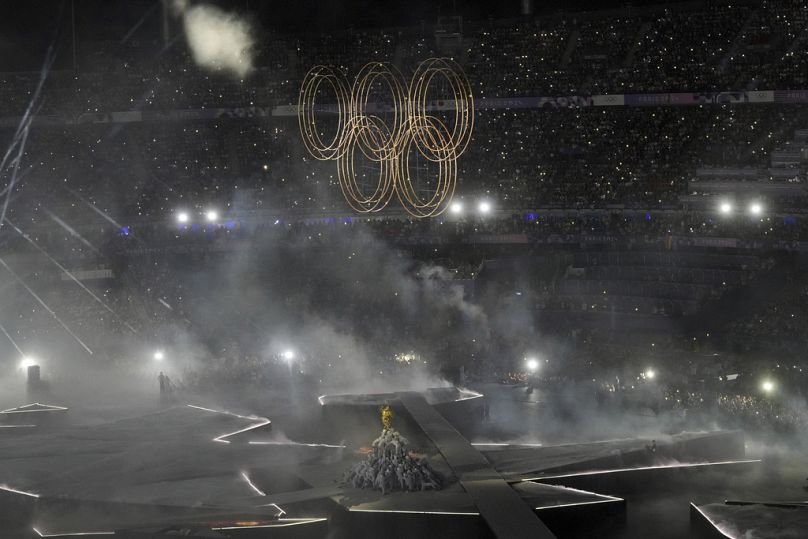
x=218, y=40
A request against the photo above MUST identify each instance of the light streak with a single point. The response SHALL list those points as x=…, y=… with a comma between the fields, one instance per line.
x=16, y=426
x=3, y=329
x=641, y=468
x=15, y=491
x=22, y=131
x=69, y=274
x=252, y=485
x=55, y=218
x=320, y=399
x=45, y=306
x=332, y=446
x=93, y=207
x=718, y=528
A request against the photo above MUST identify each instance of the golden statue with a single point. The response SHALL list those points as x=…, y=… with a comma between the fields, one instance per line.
x=387, y=415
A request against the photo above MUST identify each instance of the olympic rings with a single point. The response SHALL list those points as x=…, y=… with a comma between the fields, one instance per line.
x=391, y=146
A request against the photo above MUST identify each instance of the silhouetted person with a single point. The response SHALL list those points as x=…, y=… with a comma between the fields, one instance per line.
x=163, y=380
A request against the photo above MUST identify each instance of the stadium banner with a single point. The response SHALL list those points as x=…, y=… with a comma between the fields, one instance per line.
x=244, y=112
x=706, y=241
x=284, y=110
x=791, y=96
x=613, y=100
x=110, y=117
x=564, y=102
x=507, y=103
x=497, y=238
x=760, y=96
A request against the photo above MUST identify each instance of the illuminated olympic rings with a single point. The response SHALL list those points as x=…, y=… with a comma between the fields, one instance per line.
x=411, y=128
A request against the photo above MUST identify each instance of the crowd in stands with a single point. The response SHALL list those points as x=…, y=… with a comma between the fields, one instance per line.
x=111, y=192
x=571, y=157
x=719, y=46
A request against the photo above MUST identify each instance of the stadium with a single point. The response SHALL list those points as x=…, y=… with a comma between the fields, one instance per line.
x=437, y=269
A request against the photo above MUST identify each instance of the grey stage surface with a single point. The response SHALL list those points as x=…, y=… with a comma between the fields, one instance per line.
x=225, y=470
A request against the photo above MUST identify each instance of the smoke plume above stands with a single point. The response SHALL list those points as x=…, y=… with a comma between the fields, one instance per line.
x=218, y=40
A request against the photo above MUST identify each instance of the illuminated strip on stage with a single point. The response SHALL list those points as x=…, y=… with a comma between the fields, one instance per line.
x=252, y=485
x=606, y=498
x=262, y=421
x=285, y=522
x=260, y=492
x=472, y=395
x=16, y=426
x=718, y=528
x=15, y=491
x=641, y=468
x=23, y=409
x=404, y=511
x=332, y=446
x=73, y=534
x=504, y=444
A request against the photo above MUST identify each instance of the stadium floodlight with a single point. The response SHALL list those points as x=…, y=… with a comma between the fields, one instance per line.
x=159, y=355
x=726, y=208
x=288, y=354
x=532, y=364
x=484, y=207
x=755, y=208
x=27, y=362
x=182, y=217
x=212, y=216
x=650, y=374
x=456, y=208
x=767, y=386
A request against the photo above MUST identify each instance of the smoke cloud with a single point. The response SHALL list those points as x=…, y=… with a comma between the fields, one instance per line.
x=218, y=40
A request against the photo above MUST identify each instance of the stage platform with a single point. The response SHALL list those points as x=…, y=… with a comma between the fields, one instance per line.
x=742, y=520
x=215, y=469
x=33, y=415
x=523, y=462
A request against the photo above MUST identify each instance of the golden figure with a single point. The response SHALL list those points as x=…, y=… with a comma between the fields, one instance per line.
x=387, y=416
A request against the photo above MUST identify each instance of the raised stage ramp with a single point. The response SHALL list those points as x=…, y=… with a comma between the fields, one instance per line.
x=504, y=510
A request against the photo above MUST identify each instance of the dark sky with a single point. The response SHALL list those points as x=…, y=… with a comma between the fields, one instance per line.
x=27, y=27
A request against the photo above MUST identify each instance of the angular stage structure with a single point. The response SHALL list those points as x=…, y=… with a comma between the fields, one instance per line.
x=214, y=471
x=742, y=519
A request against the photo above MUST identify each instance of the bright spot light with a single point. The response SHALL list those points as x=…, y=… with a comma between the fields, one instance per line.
x=288, y=355
x=158, y=355
x=27, y=362
x=456, y=208
x=532, y=364
x=182, y=217
x=212, y=216
x=767, y=386
x=726, y=208
x=484, y=207
x=755, y=208
x=650, y=374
